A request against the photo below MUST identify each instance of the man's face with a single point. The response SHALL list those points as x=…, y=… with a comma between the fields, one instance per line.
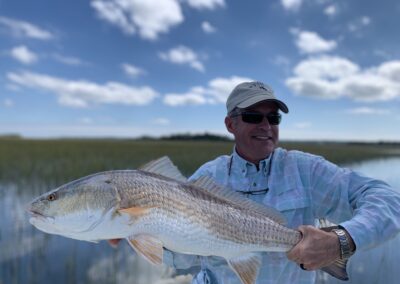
x=254, y=142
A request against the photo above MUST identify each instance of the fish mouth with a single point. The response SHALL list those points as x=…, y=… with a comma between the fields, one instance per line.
x=35, y=214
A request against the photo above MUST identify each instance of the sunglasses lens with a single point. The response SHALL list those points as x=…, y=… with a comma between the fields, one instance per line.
x=255, y=118
x=252, y=117
x=274, y=119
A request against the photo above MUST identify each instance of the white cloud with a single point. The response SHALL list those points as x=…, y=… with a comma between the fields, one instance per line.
x=208, y=28
x=331, y=10
x=311, y=42
x=368, y=110
x=189, y=98
x=132, y=70
x=82, y=93
x=206, y=4
x=23, y=54
x=148, y=18
x=183, y=55
x=24, y=29
x=332, y=77
x=217, y=91
x=291, y=5
x=326, y=67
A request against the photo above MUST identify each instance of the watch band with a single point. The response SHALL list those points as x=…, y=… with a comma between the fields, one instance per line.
x=345, y=251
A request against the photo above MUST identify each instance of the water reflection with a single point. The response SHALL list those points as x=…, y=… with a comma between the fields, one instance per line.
x=27, y=255
x=379, y=264
x=30, y=256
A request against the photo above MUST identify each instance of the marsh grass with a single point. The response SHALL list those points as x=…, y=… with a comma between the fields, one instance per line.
x=59, y=161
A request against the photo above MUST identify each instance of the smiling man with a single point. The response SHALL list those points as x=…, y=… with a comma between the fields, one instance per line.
x=302, y=186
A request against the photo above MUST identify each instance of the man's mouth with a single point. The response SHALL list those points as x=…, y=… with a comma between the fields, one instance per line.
x=262, y=137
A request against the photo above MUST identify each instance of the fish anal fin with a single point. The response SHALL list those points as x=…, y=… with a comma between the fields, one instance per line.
x=149, y=247
x=337, y=269
x=246, y=267
x=136, y=211
x=164, y=166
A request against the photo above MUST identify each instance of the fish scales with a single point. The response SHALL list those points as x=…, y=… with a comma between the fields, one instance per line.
x=225, y=219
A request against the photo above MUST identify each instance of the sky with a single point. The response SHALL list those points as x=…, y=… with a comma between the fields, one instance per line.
x=128, y=68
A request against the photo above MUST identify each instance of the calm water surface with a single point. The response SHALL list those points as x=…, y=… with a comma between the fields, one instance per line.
x=30, y=256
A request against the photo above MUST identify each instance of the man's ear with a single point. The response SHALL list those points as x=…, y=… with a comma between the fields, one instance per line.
x=230, y=124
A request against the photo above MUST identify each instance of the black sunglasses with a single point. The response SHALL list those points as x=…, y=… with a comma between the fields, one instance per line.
x=257, y=117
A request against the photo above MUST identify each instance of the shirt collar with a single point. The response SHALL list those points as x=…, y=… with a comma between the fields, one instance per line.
x=243, y=166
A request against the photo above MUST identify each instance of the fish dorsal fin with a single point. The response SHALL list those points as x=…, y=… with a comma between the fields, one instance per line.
x=164, y=166
x=246, y=267
x=207, y=183
x=147, y=246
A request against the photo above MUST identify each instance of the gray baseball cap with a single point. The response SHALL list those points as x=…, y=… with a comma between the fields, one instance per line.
x=250, y=93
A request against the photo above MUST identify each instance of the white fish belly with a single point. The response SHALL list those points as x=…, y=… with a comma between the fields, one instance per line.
x=180, y=235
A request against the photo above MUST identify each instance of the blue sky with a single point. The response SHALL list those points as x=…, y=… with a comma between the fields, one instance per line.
x=126, y=68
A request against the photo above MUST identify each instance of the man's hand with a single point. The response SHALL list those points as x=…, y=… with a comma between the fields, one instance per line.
x=316, y=249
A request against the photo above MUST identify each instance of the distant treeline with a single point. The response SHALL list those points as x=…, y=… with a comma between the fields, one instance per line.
x=189, y=137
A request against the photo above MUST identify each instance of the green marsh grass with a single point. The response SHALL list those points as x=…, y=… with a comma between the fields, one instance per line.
x=63, y=160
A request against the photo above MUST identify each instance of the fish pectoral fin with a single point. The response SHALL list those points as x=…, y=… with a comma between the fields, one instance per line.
x=337, y=269
x=147, y=246
x=136, y=211
x=246, y=267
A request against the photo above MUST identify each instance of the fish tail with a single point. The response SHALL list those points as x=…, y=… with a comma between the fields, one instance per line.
x=337, y=269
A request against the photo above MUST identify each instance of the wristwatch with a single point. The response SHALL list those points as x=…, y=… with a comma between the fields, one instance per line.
x=345, y=250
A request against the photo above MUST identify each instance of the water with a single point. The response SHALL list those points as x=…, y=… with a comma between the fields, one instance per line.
x=379, y=264
x=30, y=256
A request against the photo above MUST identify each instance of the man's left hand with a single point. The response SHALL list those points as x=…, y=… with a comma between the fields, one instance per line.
x=316, y=249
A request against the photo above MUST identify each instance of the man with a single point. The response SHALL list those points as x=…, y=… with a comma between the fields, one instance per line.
x=304, y=187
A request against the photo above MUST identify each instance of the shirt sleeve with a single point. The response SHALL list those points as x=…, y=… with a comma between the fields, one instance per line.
x=367, y=208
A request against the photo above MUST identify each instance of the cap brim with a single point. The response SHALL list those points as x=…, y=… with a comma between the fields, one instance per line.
x=258, y=99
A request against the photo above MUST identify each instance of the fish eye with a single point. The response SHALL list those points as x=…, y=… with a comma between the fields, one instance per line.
x=52, y=197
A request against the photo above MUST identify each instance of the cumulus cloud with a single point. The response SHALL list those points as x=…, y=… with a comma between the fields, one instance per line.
x=24, y=29
x=332, y=77
x=183, y=55
x=217, y=91
x=147, y=18
x=310, y=42
x=206, y=4
x=132, y=70
x=208, y=28
x=291, y=5
x=83, y=93
x=23, y=54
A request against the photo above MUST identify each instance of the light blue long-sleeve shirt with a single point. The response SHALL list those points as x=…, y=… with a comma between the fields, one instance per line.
x=304, y=188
